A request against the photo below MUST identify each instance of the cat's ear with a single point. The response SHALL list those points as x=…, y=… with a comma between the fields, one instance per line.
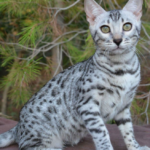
x=92, y=10
x=134, y=6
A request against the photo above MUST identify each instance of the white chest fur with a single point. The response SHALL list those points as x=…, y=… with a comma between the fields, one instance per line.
x=120, y=87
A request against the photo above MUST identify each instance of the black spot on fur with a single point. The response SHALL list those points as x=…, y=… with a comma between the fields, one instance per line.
x=55, y=91
x=65, y=116
x=63, y=84
x=49, y=86
x=33, y=122
x=38, y=109
x=88, y=90
x=73, y=71
x=41, y=96
x=119, y=72
x=35, y=117
x=53, y=79
x=96, y=102
x=96, y=130
x=30, y=126
x=89, y=80
x=27, y=132
x=21, y=133
x=33, y=102
x=83, y=91
x=31, y=136
x=101, y=94
x=74, y=118
x=59, y=80
x=64, y=95
x=26, y=121
x=99, y=87
x=59, y=101
x=47, y=116
x=23, y=126
x=49, y=109
x=110, y=91
x=30, y=110
x=79, y=90
x=54, y=109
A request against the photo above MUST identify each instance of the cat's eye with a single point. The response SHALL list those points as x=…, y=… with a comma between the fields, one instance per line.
x=127, y=26
x=105, y=29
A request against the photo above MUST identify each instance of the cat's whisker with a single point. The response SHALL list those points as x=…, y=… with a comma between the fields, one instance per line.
x=140, y=54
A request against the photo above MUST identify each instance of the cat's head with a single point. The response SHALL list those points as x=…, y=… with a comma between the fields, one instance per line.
x=115, y=31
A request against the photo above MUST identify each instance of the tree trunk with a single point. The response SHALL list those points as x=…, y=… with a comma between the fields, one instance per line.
x=57, y=30
x=4, y=100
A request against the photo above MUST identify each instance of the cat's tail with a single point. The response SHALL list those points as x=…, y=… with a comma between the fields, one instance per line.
x=8, y=137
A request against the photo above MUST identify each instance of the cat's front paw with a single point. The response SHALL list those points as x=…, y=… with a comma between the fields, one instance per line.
x=144, y=148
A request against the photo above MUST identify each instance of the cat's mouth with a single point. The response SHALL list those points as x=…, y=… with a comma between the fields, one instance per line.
x=118, y=49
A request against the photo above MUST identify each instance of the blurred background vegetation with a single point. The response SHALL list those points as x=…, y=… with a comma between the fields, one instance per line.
x=40, y=38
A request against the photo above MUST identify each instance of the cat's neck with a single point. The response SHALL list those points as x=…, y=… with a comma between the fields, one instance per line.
x=103, y=57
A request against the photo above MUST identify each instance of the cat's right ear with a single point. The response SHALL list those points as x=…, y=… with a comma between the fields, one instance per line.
x=134, y=6
x=92, y=10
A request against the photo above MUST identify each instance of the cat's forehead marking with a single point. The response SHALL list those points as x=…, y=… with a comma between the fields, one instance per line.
x=115, y=15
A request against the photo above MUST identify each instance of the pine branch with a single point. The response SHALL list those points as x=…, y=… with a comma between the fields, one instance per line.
x=68, y=7
x=47, y=47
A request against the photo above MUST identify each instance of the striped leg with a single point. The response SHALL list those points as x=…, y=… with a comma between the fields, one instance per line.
x=123, y=120
x=94, y=123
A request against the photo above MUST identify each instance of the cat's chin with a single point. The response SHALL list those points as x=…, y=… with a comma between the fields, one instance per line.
x=118, y=51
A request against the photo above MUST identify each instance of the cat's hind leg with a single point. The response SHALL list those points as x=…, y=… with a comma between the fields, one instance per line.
x=42, y=143
x=45, y=138
x=57, y=145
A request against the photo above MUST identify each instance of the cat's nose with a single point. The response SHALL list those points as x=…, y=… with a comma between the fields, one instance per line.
x=117, y=41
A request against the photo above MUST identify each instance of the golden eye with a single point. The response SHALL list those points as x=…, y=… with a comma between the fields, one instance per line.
x=127, y=26
x=105, y=29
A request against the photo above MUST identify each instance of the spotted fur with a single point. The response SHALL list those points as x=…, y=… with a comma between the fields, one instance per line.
x=83, y=97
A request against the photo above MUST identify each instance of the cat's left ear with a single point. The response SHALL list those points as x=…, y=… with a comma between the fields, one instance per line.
x=92, y=10
x=134, y=6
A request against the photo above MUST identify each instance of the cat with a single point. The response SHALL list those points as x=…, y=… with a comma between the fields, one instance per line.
x=83, y=97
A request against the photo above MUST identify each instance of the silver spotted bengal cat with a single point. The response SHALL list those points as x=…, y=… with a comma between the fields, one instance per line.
x=83, y=97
